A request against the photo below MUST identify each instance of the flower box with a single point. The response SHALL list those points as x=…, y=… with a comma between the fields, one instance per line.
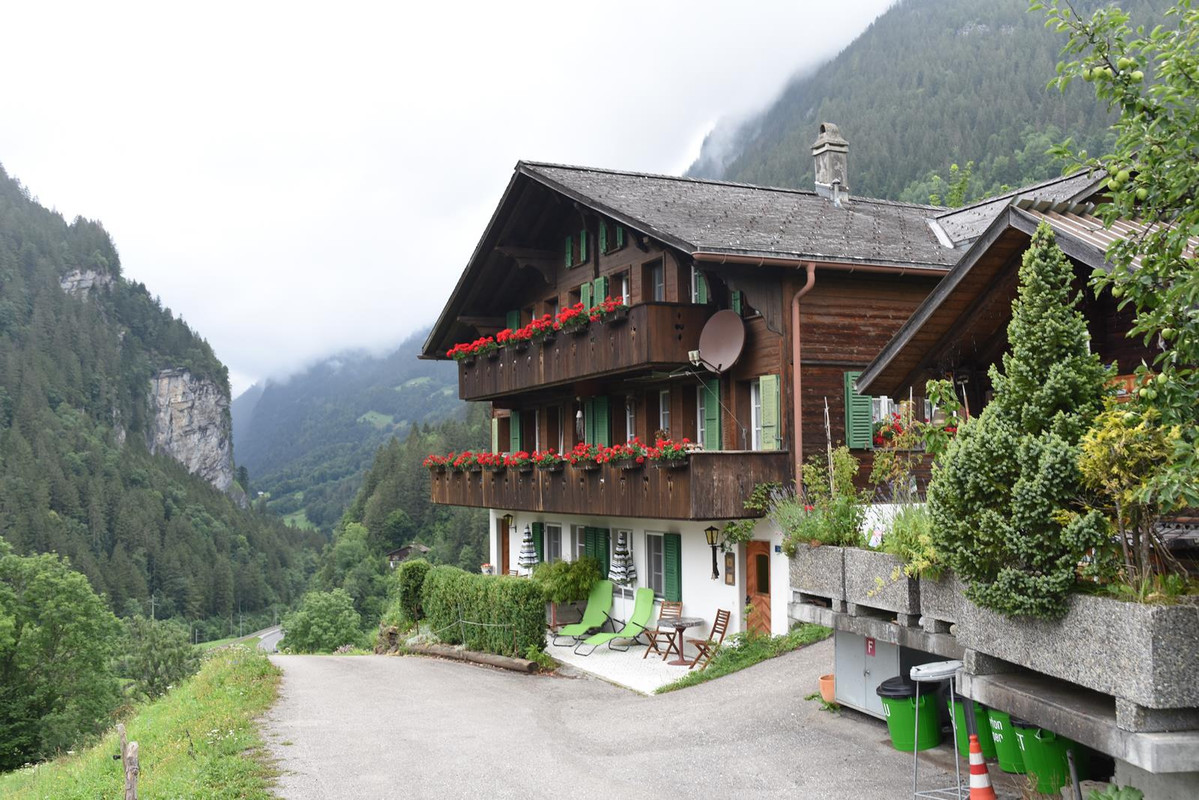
x=587, y=465
x=555, y=467
x=630, y=463
x=1142, y=653
x=527, y=467
x=578, y=330
x=876, y=580
x=677, y=463
x=820, y=571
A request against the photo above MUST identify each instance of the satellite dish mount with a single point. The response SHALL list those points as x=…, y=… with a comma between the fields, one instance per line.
x=720, y=342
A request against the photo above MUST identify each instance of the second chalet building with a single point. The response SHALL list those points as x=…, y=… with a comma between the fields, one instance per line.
x=817, y=282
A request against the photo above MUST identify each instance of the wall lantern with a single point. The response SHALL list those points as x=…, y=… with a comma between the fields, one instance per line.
x=508, y=519
x=713, y=535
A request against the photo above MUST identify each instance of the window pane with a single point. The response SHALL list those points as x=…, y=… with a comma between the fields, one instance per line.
x=655, y=574
x=755, y=416
x=664, y=410
x=553, y=543
x=762, y=567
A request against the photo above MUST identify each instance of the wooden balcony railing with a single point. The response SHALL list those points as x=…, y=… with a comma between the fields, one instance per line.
x=714, y=485
x=652, y=336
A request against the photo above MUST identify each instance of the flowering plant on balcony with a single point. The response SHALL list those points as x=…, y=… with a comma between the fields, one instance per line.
x=518, y=460
x=547, y=459
x=435, y=463
x=886, y=431
x=670, y=451
x=632, y=451
x=514, y=338
x=463, y=462
x=585, y=453
x=491, y=461
x=540, y=328
x=482, y=346
x=572, y=318
x=607, y=309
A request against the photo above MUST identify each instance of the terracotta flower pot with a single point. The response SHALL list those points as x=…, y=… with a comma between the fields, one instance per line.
x=828, y=689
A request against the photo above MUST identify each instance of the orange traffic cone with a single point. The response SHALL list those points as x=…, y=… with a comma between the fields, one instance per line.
x=980, y=779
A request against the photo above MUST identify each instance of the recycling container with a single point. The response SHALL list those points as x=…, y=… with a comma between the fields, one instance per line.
x=1003, y=737
x=1044, y=754
x=957, y=707
x=899, y=705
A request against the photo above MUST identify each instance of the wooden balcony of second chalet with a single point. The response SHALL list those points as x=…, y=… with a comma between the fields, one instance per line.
x=652, y=336
x=714, y=485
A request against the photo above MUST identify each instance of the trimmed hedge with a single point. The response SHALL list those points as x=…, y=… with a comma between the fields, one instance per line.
x=515, y=605
x=410, y=578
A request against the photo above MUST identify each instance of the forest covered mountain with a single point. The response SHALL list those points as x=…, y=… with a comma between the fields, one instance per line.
x=929, y=84
x=83, y=354
x=307, y=441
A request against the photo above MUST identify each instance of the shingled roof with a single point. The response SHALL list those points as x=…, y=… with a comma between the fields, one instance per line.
x=736, y=218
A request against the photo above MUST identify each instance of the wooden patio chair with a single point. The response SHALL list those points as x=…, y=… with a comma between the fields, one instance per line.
x=663, y=635
x=707, y=647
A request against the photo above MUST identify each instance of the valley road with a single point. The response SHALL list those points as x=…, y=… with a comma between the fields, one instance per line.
x=410, y=727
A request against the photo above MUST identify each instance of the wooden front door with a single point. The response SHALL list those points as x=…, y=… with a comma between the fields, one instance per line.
x=503, y=547
x=757, y=586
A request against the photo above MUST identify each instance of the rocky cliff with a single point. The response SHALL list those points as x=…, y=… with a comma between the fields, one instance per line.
x=190, y=422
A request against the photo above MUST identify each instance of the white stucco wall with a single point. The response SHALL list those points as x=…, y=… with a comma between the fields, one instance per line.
x=702, y=596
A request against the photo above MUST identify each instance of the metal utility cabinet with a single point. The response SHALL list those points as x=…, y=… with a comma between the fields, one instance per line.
x=861, y=663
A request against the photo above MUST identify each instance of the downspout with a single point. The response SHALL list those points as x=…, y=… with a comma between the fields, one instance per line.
x=796, y=380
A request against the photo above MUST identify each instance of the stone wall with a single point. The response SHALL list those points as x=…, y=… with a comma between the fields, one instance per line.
x=189, y=421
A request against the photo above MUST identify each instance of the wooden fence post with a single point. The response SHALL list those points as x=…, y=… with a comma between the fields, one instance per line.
x=132, y=768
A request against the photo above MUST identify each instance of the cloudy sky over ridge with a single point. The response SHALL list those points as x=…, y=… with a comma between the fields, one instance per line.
x=296, y=179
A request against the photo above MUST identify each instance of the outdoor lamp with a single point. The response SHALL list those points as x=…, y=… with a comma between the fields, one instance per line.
x=508, y=519
x=713, y=535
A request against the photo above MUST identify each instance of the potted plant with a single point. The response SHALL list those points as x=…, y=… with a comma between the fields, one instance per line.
x=629, y=456
x=609, y=310
x=435, y=463
x=573, y=320
x=669, y=454
x=586, y=457
x=548, y=460
x=521, y=461
x=492, y=462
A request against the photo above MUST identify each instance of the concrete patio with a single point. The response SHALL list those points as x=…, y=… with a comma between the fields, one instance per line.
x=628, y=670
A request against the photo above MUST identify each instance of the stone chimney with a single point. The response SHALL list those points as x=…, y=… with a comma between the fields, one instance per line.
x=831, y=154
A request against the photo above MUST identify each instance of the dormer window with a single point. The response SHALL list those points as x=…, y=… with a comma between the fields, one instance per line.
x=611, y=236
x=576, y=249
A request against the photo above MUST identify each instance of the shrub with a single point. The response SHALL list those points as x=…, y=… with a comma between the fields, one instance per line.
x=910, y=537
x=324, y=622
x=567, y=581
x=158, y=655
x=410, y=577
x=1000, y=498
x=829, y=511
x=506, y=615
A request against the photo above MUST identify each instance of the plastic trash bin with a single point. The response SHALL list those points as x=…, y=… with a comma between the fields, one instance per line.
x=957, y=707
x=1003, y=737
x=899, y=706
x=1044, y=754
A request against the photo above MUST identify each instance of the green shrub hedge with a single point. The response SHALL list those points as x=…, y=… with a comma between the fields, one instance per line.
x=410, y=577
x=512, y=608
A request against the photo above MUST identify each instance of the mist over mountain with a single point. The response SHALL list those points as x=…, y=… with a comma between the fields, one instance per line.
x=929, y=84
x=308, y=440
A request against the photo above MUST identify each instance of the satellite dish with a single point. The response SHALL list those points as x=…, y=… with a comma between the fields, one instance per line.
x=721, y=341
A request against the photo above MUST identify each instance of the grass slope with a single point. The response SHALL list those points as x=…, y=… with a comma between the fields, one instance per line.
x=198, y=741
x=745, y=650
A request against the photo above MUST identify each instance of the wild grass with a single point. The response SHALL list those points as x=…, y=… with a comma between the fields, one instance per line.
x=746, y=649
x=199, y=740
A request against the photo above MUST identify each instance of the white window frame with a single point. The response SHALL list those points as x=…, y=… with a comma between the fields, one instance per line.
x=561, y=430
x=630, y=419
x=664, y=410
x=700, y=427
x=694, y=285
x=537, y=429
x=553, y=543
x=755, y=414
x=624, y=287
x=655, y=578
x=580, y=542
x=657, y=281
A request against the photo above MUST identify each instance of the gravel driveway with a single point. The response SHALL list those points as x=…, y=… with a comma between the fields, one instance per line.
x=378, y=726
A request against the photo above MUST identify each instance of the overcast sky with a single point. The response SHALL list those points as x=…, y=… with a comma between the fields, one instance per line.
x=296, y=179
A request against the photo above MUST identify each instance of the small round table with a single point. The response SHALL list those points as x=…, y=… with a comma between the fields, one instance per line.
x=681, y=624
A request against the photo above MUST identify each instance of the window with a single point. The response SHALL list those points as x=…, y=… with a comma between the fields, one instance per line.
x=580, y=540
x=553, y=543
x=597, y=543
x=623, y=282
x=630, y=418
x=701, y=434
x=561, y=430
x=537, y=429
x=707, y=413
x=655, y=574
x=611, y=236
x=755, y=415
x=597, y=427
x=654, y=285
x=664, y=411
x=764, y=413
x=575, y=250
x=551, y=306
x=699, y=287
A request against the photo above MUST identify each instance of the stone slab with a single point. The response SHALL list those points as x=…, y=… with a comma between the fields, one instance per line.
x=943, y=598
x=1142, y=653
x=819, y=571
x=876, y=580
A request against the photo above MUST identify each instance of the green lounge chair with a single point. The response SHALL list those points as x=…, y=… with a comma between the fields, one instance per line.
x=638, y=624
x=595, y=616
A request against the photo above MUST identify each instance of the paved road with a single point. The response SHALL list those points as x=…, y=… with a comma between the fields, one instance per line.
x=268, y=639
x=381, y=727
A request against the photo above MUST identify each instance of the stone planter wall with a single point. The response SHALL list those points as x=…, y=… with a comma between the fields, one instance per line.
x=942, y=599
x=819, y=571
x=1144, y=654
x=876, y=580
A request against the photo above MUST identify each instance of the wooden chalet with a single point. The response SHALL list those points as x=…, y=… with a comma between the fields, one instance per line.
x=820, y=281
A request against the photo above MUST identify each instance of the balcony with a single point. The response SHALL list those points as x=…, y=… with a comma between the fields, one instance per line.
x=714, y=485
x=652, y=336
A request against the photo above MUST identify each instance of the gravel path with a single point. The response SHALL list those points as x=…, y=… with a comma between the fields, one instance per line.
x=377, y=726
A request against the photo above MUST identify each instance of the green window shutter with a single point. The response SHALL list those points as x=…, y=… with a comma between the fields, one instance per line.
x=859, y=416
x=538, y=529
x=701, y=289
x=585, y=296
x=672, y=564
x=712, y=438
x=495, y=435
x=570, y=252
x=597, y=544
x=603, y=236
x=603, y=423
x=619, y=236
x=600, y=290
x=513, y=319
x=769, y=387
x=582, y=246
x=589, y=420
x=735, y=301
x=514, y=432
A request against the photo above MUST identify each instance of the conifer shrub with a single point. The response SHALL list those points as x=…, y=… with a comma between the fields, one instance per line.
x=1001, y=499
x=486, y=613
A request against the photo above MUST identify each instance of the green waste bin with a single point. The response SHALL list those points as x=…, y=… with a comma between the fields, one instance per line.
x=899, y=706
x=957, y=707
x=1044, y=754
x=1004, y=739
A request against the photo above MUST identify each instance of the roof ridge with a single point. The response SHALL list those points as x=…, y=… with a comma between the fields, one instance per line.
x=738, y=184
x=1019, y=190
